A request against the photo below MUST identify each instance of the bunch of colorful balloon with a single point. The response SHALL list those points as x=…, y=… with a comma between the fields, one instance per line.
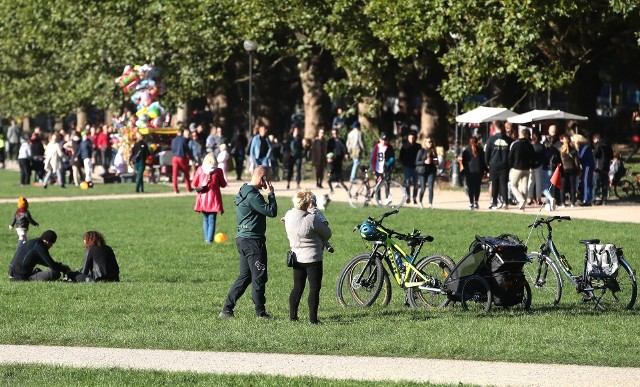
x=146, y=82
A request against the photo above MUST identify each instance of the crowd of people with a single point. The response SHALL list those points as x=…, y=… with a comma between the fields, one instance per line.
x=521, y=162
x=61, y=157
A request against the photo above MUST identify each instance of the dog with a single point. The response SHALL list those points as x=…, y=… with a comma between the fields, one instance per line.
x=322, y=201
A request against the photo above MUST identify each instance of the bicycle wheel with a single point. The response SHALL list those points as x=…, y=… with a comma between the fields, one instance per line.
x=361, y=281
x=391, y=194
x=624, y=190
x=437, y=268
x=544, y=277
x=618, y=292
x=476, y=294
x=358, y=193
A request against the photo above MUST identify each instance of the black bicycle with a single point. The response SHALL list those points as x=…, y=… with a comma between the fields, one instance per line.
x=607, y=290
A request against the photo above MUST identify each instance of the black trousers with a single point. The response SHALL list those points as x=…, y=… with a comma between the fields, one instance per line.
x=239, y=161
x=474, y=181
x=25, y=171
x=302, y=271
x=253, y=271
x=499, y=185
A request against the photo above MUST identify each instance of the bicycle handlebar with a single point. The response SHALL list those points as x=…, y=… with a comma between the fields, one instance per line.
x=403, y=237
x=548, y=221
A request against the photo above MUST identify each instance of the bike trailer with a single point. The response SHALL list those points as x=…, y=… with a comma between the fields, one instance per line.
x=499, y=261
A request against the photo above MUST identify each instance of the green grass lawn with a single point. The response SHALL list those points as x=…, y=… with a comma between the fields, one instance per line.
x=174, y=286
x=33, y=375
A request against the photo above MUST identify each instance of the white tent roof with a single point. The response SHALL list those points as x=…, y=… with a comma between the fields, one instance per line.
x=541, y=115
x=485, y=114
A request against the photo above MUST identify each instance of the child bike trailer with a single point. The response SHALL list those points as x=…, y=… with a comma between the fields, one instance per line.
x=491, y=273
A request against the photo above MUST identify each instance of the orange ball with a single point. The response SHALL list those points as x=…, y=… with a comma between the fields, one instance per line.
x=220, y=237
x=84, y=185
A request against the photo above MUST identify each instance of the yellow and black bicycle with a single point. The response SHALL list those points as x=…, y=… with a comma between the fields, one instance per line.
x=365, y=279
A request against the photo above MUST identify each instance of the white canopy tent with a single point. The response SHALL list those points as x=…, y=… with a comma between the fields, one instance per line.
x=485, y=114
x=543, y=115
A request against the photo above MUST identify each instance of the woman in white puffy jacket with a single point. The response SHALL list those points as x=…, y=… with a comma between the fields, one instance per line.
x=306, y=233
x=53, y=161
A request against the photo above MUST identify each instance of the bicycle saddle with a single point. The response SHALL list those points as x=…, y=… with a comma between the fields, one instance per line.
x=589, y=241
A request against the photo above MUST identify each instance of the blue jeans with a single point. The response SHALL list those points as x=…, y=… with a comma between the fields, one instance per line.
x=429, y=179
x=410, y=178
x=209, y=225
x=354, y=169
x=587, y=185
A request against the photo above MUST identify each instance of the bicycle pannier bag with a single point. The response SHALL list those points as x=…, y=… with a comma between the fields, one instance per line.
x=602, y=260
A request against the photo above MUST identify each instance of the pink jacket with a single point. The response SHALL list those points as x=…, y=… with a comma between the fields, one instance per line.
x=211, y=199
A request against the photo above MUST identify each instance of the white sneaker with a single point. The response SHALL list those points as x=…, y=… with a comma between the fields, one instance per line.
x=388, y=201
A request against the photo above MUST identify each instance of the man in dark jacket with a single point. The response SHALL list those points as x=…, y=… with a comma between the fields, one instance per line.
x=408, y=154
x=602, y=153
x=496, y=155
x=251, y=214
x=521, y=158
x=36, y=252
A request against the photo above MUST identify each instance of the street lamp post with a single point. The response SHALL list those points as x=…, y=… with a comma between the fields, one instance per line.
x=455, y=167
x=250, y=46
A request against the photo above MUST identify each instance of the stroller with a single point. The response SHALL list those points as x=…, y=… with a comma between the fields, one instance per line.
x=490, y=273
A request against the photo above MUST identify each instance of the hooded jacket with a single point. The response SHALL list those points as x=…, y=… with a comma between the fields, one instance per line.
x=252, y=210
x=496, y=152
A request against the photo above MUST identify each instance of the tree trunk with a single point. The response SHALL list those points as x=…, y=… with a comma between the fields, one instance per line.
x=81, y=118
x=108, y=117
x=181, y=117
x=433, y=118
x=218, y=104
x=26, y=124
x=367, y=115
x=316, y=101
x=583, y=93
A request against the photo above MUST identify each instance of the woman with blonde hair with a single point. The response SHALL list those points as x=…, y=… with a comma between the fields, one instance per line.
x=306, y=233
x=207, y=181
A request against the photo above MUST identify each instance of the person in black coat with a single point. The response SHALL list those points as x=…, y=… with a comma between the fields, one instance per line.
x=139, y=155
x=474, y=167
x=602, y=154
x=496, y=154
x=36, y=252
x=99, y=263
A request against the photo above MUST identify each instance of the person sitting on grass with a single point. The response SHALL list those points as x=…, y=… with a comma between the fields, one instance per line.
x=99, y=263
x=36, y=252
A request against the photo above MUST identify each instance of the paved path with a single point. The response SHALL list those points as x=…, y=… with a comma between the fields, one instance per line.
x=331, y=367
x=443, y=199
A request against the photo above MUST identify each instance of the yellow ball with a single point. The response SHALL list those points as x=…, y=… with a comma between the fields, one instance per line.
x=84, y=185
x=220, y=237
